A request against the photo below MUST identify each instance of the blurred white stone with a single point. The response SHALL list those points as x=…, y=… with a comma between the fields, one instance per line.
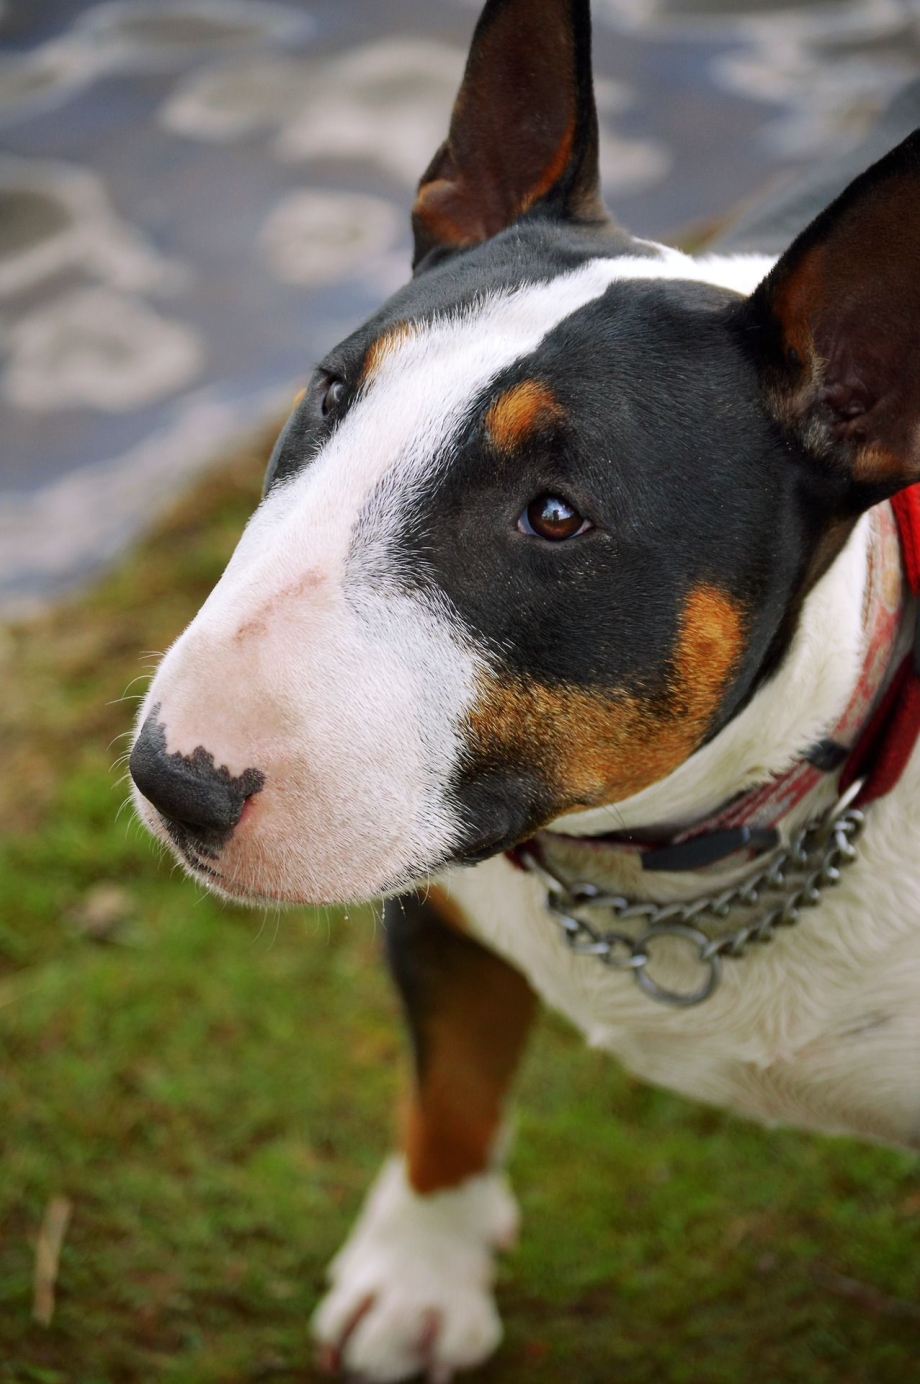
x=388, y=103
x=57, y=216
x=315, y=237
x=139, y=35
x=128, y=33
x=828, y=70
x=40, y=78
x=827, y=67
x=224, y=103
x=629, y=165
x=95, y=348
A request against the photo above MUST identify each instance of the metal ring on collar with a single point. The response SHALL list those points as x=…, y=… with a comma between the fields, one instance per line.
x=699, y=941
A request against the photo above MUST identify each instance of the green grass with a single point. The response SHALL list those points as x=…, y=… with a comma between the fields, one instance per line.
x=212, y=1090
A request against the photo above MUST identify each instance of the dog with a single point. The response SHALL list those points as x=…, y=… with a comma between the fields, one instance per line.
x=574, y=623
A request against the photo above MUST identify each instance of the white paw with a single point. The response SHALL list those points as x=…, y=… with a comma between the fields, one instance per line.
x=411, y=1287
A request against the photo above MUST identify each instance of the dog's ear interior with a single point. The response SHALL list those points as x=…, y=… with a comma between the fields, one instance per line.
x=836, y=329
x=523, y=131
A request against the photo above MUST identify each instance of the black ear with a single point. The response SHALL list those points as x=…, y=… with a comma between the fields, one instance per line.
x=523, y=131
x=836, y=327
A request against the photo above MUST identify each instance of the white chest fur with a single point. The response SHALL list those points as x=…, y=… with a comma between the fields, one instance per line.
x=821, y=1028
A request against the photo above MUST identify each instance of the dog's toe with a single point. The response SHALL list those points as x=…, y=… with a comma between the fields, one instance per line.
x=410, y=1291
x=409, y=1333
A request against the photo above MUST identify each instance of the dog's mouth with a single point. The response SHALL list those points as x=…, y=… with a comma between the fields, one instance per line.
x=233, y=879
x=200, y=865
x=233, y=863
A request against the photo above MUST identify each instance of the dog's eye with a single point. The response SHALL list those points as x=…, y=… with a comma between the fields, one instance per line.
x=332, y=396
x=552, y=518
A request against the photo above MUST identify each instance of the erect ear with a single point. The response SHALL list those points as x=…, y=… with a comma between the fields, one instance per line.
x=523, y=130
x=838, y=322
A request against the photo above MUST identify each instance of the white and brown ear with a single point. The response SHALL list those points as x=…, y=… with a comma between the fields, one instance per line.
x=523, y=131
x=836, y=327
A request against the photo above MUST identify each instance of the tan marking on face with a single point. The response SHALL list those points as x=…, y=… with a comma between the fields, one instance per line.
x=520, y=412
x=299, y=398
x=383, y=347
x=474, y=1016
x=592, y=748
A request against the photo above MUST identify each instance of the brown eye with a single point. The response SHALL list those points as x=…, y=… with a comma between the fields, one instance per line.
x=333, y=396
x=552, y=518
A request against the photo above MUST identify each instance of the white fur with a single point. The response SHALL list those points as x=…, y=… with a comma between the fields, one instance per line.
x=820, y=1028
x=311, y=663
x=415, y=1275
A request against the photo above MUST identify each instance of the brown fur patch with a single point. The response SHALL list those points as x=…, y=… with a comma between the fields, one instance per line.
x=449, y=912
x=520, y=412
x=593, y=748
x=384, y=346
x=461, y=209
x=473, y=1015
x=553, y=170
x=449, y=216
x=794, y=303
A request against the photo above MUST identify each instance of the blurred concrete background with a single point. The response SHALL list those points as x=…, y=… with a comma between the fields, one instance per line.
x=198, y=196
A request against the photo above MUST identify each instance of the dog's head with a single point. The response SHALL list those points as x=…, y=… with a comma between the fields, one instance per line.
x=539, y=529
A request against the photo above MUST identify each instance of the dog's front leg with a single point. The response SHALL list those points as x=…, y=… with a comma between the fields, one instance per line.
x=411, y=1288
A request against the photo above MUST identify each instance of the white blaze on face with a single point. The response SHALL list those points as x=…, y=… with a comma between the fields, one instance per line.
x=314, y=664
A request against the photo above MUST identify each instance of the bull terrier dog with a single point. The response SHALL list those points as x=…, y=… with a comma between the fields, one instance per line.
x=577, y=622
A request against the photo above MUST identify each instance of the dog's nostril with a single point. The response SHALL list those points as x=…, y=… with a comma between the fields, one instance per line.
x=189, y=789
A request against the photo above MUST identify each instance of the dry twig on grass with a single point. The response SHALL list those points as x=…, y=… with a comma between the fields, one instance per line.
x=47, y=1257
x=865, y=1296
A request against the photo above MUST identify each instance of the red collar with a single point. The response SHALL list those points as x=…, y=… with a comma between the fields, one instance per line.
x=873, y=739
x=881, y=754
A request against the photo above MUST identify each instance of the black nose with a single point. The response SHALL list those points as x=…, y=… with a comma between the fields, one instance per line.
x=187, y=789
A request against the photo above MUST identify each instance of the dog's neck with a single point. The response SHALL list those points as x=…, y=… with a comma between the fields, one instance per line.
x=796, y=709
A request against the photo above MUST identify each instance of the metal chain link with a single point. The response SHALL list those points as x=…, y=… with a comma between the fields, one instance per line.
x=792, y=880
